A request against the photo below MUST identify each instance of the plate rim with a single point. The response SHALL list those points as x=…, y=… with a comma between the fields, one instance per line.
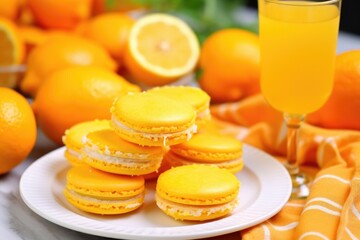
x=101, y=229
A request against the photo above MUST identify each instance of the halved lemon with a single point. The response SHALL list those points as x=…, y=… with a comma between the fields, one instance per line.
x=11, y=54
x=161, y=49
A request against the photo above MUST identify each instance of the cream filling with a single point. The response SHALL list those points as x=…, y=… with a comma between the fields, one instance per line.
x=127, y=162
x=189, y=132
x=74, y=153
x=203, y=114
x=136, y=199
x=192, y=210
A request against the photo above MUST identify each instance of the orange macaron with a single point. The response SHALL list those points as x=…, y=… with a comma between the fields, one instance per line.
x=197, y=192
x=74, y=136
x=95, y=191
x=208, y=148
x=152, y=119
x=107, y=151
x=194, y=96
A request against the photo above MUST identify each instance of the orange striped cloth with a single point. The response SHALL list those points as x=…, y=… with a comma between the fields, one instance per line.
x=332, y=210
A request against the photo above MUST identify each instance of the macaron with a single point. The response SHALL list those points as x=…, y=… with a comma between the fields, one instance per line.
x=197, y=192
x=208, y=148
x=152, y=119
x=196, y=97
x=94, y=191
x=165, y=165
x=74, y=136
x=107, y=151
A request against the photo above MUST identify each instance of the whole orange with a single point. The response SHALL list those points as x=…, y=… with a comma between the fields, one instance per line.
x=17, y=129
x=32, y=36
x=342, y=110
x=77, y=94
x=230, y=61
x=62, y=50
x=10, y=9
x=111, y=30
x=60, y=14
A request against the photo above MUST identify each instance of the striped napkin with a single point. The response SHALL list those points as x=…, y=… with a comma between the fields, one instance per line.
x=332, y=157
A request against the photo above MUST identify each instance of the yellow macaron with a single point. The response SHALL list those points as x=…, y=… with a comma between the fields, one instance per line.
x=208, y=148
x=95, y=191
x=196, y=97
x=197, y=192
x=74, y=136
x=107, y=151
x=153, y=120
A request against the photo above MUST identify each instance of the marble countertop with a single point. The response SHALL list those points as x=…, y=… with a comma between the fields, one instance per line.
x=17, y=221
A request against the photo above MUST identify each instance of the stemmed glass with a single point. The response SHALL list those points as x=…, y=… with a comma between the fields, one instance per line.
x=298, y=47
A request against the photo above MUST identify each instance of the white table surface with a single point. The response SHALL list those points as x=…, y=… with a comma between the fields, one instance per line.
x=17, y=221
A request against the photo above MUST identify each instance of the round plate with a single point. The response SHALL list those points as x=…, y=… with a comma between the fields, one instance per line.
x=265, y=188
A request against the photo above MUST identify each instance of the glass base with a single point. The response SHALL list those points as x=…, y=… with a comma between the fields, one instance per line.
x=301, y=186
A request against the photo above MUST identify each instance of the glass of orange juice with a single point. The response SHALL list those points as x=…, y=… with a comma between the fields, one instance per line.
x=298, y=41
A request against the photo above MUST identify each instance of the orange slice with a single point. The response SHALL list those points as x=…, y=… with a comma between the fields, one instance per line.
x=161, y=49
x=11, y=54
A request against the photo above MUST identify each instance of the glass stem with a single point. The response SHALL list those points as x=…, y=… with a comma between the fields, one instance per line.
x=293, y=123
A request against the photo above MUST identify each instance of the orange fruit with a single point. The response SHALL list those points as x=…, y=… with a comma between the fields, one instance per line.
x=32, y=36
x=63, y=14
x=17, y=128
x=161, y=49
x=342, y=110
x=60, y=51
x=26, y=16
x=230, y=61
x=12, y=52
x=111, y=30
x=77, y=94
x=10, y=9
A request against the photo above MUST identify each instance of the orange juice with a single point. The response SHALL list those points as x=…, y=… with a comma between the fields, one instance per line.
x=298, y=48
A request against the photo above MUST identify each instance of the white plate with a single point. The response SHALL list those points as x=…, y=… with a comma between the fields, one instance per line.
x=265, y=188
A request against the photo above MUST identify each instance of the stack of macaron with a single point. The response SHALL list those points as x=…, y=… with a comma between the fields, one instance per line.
x=151, y=133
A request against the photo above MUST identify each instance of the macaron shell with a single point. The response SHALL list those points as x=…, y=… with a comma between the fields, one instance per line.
x=194, y=96
x=74, y=160
x=231, y=165
x=195, y=213
x=105, y=207
x=197, y=185
x=88, y=181
x=209, y=147
x=73, y=137
x=150, y=113
x=159, y=140
x=137, y=170
x=107, y=141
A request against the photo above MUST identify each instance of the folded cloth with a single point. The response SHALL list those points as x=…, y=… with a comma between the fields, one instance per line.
x=332, y=157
